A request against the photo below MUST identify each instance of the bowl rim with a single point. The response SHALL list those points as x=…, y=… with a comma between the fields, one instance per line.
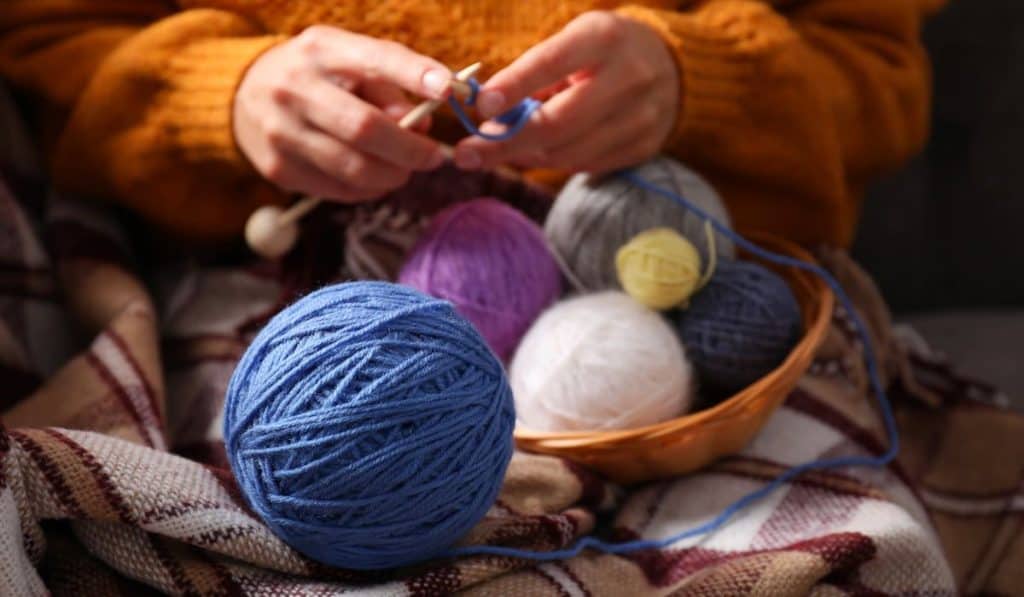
x=817, y=313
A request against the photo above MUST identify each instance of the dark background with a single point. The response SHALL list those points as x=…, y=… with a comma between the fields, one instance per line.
x=948, y=231
x=944, y=237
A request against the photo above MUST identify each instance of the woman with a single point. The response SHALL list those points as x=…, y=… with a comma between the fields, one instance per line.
x=195, y=112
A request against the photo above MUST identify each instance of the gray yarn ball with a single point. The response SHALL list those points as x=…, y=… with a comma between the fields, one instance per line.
x=590, y=220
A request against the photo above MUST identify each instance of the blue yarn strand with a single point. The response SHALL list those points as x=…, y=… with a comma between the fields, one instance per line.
x=515, y=120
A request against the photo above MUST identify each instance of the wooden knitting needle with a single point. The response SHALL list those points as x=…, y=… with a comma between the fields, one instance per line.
x=271, y=231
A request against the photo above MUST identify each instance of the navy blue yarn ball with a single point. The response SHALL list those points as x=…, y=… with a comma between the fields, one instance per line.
x=739, y=327
x=369, y=426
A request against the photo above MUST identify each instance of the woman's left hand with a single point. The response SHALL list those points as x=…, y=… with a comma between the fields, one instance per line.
x=612, y=93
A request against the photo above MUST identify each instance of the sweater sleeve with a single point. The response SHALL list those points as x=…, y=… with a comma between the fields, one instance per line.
x=797, y=98
x=134, y=102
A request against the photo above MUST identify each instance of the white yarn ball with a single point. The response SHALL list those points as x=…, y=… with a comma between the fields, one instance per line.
x=599, y=361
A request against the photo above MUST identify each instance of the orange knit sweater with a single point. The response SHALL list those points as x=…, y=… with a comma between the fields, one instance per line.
x=788, y=106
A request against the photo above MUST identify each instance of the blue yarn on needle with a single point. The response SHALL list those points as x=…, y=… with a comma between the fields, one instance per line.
x=369, y=425
x=514, y=119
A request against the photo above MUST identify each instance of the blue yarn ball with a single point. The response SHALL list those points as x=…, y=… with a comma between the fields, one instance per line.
x=739, y=327
x=369, y=425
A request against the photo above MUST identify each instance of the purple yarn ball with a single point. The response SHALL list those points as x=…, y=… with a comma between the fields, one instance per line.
x=492, y=263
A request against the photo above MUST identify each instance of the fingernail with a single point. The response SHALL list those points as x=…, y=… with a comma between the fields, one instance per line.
x=396, y=111
x=435, y=161
x=490, y=103
x=467, y=159
x=436, y=82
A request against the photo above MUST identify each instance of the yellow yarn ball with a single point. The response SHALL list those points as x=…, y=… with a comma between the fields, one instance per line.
x=659, y=268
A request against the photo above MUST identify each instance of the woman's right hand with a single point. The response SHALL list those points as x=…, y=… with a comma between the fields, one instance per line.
x=317, y=114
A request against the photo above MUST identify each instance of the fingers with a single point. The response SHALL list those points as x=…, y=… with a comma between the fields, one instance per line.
x=301, y=159
x=297, y=176
x=361, y=172
x=364, y=57
x=358, y=124
x=550, y=91
x=622, y=141
x=296, y=117
x=583, y=43
x=616, y=97
x=584, y=128
x=386, y=97
x=391, y=100
x=590, y=103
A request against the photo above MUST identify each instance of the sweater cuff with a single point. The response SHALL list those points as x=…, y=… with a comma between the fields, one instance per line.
x=200, y=103
x=717, y=50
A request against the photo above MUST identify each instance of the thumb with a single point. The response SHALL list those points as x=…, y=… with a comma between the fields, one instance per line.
x=546, y=65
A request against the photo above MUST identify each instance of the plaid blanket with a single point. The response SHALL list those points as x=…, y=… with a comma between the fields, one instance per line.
x=113, y=478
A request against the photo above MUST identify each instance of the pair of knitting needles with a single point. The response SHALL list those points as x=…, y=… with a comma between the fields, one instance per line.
x=272, y=231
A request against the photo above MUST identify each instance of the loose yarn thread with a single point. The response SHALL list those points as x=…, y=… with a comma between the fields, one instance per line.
x=369, y=426
x=661, y=269
x=521, y=114
x=492, y=263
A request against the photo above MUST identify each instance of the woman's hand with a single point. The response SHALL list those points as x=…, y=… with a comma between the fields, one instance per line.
x=614, y=97
x=317, y=114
